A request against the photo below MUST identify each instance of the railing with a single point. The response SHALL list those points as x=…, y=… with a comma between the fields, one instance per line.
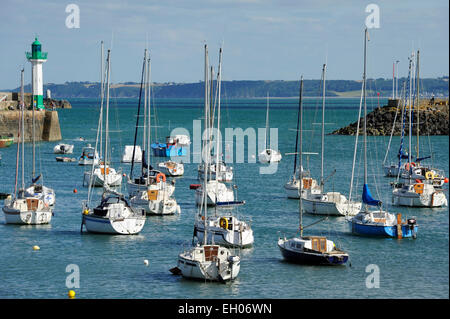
x=36, y=55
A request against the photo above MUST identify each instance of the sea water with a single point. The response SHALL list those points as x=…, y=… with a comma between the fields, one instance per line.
x=113, y=266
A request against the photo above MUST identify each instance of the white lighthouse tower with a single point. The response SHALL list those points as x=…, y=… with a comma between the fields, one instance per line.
x=37, y=58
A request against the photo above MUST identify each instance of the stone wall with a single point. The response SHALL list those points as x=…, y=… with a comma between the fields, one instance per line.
x=46, y=125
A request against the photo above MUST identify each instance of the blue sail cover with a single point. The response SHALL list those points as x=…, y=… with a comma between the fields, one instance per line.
x=34, y=180
x=422, y=158
x=367, y=197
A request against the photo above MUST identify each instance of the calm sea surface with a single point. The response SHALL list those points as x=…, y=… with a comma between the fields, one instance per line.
x=113, y=266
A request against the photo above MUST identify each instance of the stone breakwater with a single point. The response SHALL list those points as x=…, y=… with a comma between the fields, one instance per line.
x=46, y=125
x=433, y=120
x=10, y=101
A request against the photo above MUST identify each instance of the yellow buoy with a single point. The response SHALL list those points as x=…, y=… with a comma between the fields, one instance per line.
x=86, y=211
x=36, y=247
x=71, y=294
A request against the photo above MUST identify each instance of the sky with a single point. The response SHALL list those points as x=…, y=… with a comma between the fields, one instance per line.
x=261, y=39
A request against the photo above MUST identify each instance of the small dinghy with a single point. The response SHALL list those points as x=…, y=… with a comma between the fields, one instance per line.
x=63, y=149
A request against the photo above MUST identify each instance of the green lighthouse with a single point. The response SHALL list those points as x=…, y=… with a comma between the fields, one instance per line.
x=37, y=58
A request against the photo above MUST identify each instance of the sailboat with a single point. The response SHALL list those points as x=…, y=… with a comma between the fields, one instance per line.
x=113, y=215
x=207, y=261
x=299, y=175
x=28, y=206
x=318, y=202
x=413, y=169
x=217, y=192
x=217, y=170
x=102, y=172
x=171, y=168
x=375, y=222
x=268, y=155
x=226, y=229
x=316, y=250
x=151, y=191
x=416, y=192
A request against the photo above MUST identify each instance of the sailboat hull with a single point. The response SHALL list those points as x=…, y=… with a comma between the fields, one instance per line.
x=412, y=199
x=317, y=207
x=124, y=226
x=224, y=237
x=221, y=268
x=18, y=213
x=311, y=258
x=112, y=179
x=408, y=231
x=156, y=207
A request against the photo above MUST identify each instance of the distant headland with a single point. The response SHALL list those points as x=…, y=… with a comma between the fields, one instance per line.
x=245, y=89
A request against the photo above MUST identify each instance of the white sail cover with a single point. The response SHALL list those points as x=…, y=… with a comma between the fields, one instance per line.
x=128, y=154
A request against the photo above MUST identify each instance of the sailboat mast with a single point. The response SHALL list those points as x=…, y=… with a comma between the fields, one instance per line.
x=102, y=92
x=144, y=131
x=323, y=127
x=267, y=121
x=219, y=80
x=148, y=115
x=410, y=114
x=23, y=130
x=365, y=111
x=418, y=104
x=300, y=205
x=205, y=161
x=137, y=121
x=296, y=137
x=106, y=119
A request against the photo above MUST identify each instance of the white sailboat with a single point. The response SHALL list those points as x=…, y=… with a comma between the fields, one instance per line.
x=225, y=172
x=113, y=215
x=316, y=250
x=300, y=175
x=207, y=262
x=225, y=229
x=413, y=169
x=217, y=192
x=379, y=222
x=128, y=153
x=150, y=191
x=26, y=207
x=415, y=192
x=268, y=155
x=316, y=200
x=102, y=172
x=171, y=168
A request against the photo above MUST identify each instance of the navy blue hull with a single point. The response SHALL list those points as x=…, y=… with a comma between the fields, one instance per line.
x=312, y=258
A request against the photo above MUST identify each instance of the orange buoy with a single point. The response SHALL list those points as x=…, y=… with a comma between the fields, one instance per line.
x=446, y=180
x=75, y=190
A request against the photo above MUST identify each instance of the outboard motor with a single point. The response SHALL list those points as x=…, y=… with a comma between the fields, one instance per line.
x=411, y=223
